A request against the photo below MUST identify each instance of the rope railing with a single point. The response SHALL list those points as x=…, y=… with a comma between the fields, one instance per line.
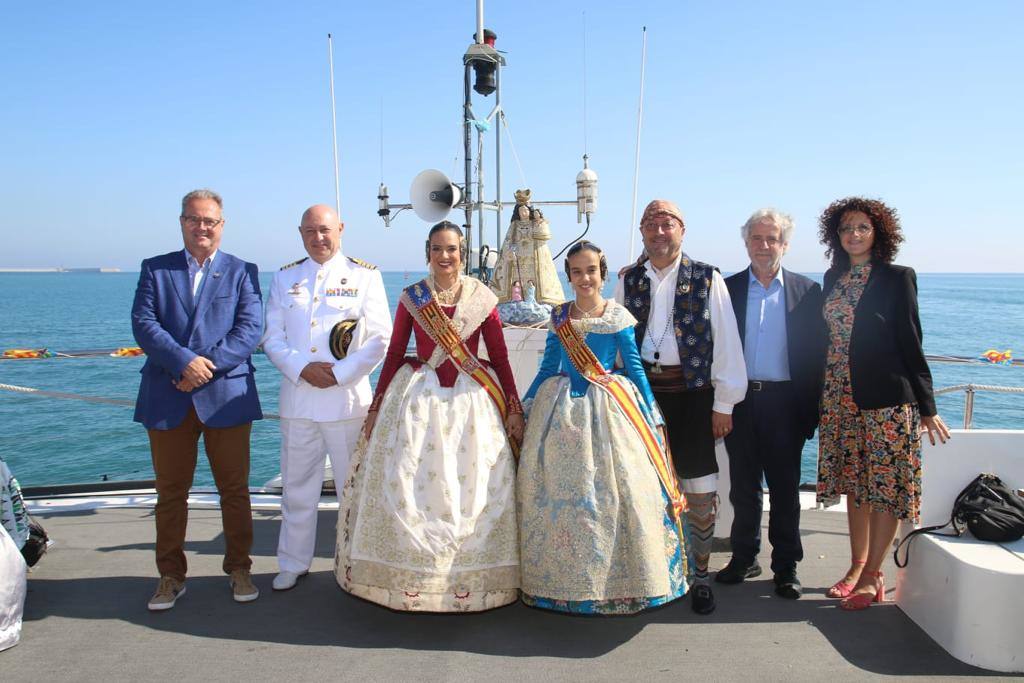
x=43, y=393
x=970, y=390
x=980, y=387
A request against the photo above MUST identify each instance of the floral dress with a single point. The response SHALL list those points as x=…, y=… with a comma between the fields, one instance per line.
x=873, y=456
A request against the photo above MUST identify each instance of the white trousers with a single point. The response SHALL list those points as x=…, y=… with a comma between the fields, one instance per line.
x=304, y=444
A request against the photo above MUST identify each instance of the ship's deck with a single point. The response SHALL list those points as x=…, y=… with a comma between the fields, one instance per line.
x=86, y=619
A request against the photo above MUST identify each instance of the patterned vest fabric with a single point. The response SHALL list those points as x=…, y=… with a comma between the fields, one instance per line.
x=691, y=315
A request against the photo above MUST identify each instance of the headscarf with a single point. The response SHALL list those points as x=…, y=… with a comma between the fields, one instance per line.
x=662, y=206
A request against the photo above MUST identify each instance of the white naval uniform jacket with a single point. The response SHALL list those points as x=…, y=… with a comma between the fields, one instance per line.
x=306, y=300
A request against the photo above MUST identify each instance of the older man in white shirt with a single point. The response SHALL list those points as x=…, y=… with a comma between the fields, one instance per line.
x=328, y=326
x=693, y=355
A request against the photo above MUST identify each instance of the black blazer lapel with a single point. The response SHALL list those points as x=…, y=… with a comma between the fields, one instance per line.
x=738, y=285
x=792, y=295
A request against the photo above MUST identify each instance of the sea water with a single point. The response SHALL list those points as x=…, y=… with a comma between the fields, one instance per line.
x=55, y=441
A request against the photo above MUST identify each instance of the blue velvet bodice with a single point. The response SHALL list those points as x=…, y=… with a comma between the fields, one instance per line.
x=605, y=346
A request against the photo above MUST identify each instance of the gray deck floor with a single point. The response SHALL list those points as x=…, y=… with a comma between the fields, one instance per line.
x=86, y=619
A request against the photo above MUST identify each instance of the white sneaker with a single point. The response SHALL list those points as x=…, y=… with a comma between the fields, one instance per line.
x=287, y=580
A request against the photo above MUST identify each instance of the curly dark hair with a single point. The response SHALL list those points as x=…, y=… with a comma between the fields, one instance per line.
x=886, y=223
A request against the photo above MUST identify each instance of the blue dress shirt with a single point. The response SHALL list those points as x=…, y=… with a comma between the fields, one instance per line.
x=764, y=339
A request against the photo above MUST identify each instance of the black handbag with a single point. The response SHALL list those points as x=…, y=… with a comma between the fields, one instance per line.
x=986, y=507
x=36, y=543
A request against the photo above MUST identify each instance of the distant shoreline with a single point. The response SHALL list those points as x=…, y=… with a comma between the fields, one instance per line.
x=60, y=269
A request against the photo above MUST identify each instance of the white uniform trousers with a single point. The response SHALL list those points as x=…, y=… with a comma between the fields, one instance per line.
x=304, y=443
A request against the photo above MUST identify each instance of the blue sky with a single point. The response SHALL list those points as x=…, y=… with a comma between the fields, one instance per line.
x=112, y=111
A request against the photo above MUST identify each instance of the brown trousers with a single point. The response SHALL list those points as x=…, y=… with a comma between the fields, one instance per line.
x=174, y=463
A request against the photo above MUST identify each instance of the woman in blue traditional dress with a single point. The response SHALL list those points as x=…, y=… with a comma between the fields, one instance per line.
x=598, y=502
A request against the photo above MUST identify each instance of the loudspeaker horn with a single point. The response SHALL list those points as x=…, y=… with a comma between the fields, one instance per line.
x=433, y=195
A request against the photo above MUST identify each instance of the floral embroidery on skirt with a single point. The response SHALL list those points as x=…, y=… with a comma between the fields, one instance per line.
x=426, y=520
x=596, y=537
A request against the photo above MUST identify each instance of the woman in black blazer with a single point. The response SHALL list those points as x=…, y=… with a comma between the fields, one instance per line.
x=878, y=390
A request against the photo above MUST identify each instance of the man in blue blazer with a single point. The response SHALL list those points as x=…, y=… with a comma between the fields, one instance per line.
x=198, y=315
x=778, y=313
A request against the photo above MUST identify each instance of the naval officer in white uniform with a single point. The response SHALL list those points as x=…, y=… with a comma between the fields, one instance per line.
x=317, y=307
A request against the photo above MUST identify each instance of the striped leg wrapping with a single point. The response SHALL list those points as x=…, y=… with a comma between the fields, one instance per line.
x=700, y=522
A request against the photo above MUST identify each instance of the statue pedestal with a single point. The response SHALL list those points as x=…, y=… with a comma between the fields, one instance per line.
x=525, y=352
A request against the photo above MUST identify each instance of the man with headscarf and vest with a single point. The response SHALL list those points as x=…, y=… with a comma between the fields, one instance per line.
x=690, y=346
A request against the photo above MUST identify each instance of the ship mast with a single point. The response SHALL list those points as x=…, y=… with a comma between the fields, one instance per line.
x=433, y=195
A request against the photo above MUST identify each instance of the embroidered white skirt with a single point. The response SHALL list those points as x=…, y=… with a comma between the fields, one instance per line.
x=595, y=533
x=427, y=516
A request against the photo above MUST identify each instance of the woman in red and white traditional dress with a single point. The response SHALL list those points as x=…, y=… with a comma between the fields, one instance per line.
x=427, y=520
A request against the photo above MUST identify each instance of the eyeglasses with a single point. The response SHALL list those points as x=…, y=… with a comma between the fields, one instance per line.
x=194, y=221
x=859, y=230
x=666, y=225
x=770, y=241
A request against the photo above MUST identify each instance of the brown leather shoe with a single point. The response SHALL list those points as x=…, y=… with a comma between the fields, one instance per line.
x=167, y=593
x=242, y=586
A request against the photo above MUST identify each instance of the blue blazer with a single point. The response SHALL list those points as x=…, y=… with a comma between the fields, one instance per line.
x=225, y=326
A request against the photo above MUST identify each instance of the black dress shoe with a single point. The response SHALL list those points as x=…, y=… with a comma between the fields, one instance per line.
x=734, y=572
x=787, y=585
x=702, y=600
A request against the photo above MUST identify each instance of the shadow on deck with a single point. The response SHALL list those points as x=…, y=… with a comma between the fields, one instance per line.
x=86, y=618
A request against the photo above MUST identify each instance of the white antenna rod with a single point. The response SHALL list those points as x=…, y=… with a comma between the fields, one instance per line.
x=381, y=139
x=584, y=82
x=480, y=21
x=334, y=128
x=636, y=165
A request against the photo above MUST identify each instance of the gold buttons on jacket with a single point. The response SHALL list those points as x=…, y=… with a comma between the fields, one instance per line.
x=313, y=350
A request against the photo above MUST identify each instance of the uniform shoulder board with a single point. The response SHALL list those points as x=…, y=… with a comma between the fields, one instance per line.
x=294, y=263
x=361, y=262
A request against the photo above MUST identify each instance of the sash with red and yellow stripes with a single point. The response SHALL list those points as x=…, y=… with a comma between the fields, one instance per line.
x=587, y=364
x=420, y=303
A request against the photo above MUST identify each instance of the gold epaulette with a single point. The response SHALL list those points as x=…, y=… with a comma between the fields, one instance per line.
x=294, y=263
x=361, y=262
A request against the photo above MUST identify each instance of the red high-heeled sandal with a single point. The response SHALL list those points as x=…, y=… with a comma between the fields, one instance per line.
x=842, y=588
x=859, y=601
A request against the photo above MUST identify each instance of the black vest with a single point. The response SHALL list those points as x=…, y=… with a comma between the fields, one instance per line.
x=691, y=315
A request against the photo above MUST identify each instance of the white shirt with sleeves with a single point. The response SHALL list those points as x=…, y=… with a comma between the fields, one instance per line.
x=728, y=366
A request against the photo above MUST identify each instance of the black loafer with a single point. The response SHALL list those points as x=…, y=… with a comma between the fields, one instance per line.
x=787, y=585
x=702, y=600
x=734, y=572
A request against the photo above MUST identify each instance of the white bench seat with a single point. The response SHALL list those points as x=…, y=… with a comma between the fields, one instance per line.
x=968, y=595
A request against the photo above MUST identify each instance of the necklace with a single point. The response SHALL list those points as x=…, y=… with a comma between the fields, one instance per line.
x=590, y=313
x=657, y=346
x=446, y=297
